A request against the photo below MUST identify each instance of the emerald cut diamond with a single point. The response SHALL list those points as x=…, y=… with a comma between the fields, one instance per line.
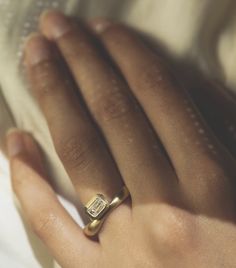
x=97, y=206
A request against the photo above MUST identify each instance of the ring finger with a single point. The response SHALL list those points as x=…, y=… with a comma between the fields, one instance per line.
x=125, y=127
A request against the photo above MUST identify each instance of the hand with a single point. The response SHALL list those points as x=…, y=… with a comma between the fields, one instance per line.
x=129, y=123
x=218, y=107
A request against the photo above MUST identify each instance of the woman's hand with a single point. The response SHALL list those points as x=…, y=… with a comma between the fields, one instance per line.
x=138, y=128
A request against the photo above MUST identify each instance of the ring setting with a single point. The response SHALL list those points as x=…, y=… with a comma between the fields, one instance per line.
x=98, y=209
x=97, y=206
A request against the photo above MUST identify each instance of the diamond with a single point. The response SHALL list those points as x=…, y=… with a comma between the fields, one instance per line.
x=97, y=206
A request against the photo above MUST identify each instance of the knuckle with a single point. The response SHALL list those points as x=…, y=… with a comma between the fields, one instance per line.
x=77, y=45
x=20, y=174
x=212, y=176
x=45, y=80
x=43, y=224
x=113, y=106
x=16, y=173
x=176, y=228
x=218, y=182
x=76, y=152
x=155, y=78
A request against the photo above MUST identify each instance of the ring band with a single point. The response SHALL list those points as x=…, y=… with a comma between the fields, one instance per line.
x=98, y=209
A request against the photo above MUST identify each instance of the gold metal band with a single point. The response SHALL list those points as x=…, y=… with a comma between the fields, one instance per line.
x=98, y=208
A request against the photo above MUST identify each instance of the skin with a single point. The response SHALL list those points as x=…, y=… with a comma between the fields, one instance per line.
x=130, y=124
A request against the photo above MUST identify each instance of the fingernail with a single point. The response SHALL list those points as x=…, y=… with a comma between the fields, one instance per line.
x=100, y=25
x=37, y=49
x=45, y=13
x=15, y=142
x=57, y=23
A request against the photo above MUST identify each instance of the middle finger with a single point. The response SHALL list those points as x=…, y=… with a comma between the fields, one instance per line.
x=76, y=139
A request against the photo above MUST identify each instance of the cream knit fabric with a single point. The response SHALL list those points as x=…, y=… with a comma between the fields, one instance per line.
x=201, y=32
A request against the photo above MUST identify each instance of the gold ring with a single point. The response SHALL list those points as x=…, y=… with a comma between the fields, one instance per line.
x=98, y=209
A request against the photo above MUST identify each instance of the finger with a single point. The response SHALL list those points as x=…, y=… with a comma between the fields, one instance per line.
x=37, y=156
x=76, y=139
x=200, y=161
x=209, y=98
x=131, y=140
x=48, y=218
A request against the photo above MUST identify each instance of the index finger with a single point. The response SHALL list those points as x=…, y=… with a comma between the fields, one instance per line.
x=49, y=220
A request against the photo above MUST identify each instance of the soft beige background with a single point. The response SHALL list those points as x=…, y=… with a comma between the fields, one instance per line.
x=200, y=32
